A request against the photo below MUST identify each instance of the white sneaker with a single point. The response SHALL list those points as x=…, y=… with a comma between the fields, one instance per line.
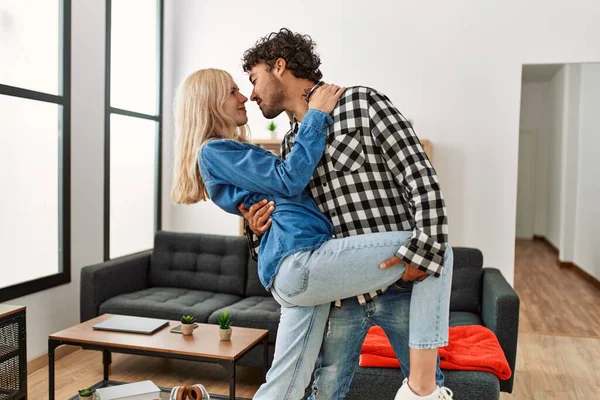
x=443, y=393
x=440, y=393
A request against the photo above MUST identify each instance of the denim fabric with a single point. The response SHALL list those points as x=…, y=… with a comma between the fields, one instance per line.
x=342, y=268
x=430, y=308
x=408, y=313
x=299, y=339
x=236, y=172
x=339, y=269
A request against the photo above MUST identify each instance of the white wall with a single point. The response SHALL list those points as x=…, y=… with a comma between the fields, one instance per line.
x=453, y=67
x=533, y=107
x=587, y=251
x=557, y=171
x=570, y=160
x=57, y=308
x=556, y=116
x=534, y=122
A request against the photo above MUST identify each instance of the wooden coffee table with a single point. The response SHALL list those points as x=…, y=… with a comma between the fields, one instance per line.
x=204, y=345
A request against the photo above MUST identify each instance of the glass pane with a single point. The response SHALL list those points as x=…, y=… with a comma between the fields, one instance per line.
x=134, y=56
x=29, y=39
x=29, y=189
x=132, y=185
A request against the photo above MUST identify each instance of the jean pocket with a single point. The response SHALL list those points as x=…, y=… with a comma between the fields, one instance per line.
x=292, y=278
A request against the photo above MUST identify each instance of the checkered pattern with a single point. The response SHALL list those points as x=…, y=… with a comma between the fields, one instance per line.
x=376, y=177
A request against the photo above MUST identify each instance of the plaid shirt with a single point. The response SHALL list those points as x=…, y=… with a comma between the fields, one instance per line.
x=375, y=177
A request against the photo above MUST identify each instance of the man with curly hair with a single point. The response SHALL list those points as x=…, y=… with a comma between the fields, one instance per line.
x=374, y=177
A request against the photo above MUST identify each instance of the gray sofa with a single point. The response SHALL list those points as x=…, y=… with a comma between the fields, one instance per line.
x=201, y=275
x=191, y=274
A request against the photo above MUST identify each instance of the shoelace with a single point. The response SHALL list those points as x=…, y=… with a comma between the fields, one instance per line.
x=445, y=393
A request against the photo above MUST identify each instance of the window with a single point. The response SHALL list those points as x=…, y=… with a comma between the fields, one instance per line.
x=34, y=146
x=134, y=37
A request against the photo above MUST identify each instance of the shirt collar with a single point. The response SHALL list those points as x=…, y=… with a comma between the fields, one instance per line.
x=295, y=123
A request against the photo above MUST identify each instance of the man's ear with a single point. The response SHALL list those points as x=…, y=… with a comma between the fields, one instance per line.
x=279, y=67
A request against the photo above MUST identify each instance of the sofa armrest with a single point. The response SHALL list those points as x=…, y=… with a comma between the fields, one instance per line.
x=500, y=313
x=109, y=279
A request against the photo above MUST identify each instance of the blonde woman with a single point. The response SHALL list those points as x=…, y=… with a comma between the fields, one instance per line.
x=299, y=262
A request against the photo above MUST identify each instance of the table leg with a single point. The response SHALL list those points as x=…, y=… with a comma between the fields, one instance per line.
x=232, y=382
x=230, y=368
x=106, y=361
x=265, y=357
x=52, y=345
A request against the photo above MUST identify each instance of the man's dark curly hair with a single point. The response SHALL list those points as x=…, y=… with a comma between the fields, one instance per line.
x=296, y=49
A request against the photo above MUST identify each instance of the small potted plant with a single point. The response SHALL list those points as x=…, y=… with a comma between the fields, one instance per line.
x=187, y=325
x=224, y=321
x=86, y=394
x=273, y=129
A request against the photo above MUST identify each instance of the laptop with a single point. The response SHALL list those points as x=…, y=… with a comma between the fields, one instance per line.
x=126, y=323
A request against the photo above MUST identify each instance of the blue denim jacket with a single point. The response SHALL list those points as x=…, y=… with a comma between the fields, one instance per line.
x=236, y=172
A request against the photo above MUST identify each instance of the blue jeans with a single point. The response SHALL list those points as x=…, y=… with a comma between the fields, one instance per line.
x=348, y=326
x=307, y=282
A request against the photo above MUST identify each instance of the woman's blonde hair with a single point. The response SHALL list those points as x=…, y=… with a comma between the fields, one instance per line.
x=198, y=110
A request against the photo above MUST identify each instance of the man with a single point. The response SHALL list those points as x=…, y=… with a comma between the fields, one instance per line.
x=373, y=177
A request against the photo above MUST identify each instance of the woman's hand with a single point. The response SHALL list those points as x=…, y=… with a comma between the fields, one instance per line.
x=326, y=97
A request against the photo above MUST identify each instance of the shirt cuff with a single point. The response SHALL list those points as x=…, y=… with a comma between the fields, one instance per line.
x=424, y=253
x=253, y=241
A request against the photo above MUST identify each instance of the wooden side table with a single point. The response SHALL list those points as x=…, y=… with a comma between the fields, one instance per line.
x=13, y=353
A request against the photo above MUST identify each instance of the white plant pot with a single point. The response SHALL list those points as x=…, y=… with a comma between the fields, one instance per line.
x=187, y=329
x=225, y=334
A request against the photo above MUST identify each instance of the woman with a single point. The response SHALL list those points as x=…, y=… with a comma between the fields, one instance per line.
x=299, y=262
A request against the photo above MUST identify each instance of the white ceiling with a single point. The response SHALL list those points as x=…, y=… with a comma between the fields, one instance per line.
x=540, y=72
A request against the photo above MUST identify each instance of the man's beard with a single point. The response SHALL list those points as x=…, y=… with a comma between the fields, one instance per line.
x=275, y=96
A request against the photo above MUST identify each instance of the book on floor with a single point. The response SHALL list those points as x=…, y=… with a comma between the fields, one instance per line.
x=145, y=390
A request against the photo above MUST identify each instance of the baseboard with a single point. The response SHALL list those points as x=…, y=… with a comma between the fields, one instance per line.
x=42, y=361
x=568, y=264
x=584, y=274
x=541, y=238
x=565, y=264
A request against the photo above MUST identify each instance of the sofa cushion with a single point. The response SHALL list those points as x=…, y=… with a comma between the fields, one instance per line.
x=467, y=280
x=253, y=312
x=383, y=383
x=253, y=285
x=168, y=303
x=460, y=318
x=201, y=262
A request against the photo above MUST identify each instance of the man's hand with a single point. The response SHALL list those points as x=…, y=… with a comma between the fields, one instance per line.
x=258, y=216
x=410, y=274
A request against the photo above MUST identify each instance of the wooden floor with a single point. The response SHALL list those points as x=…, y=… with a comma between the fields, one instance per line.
x=551, y=367
x=558, y=356
x=553, y=300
